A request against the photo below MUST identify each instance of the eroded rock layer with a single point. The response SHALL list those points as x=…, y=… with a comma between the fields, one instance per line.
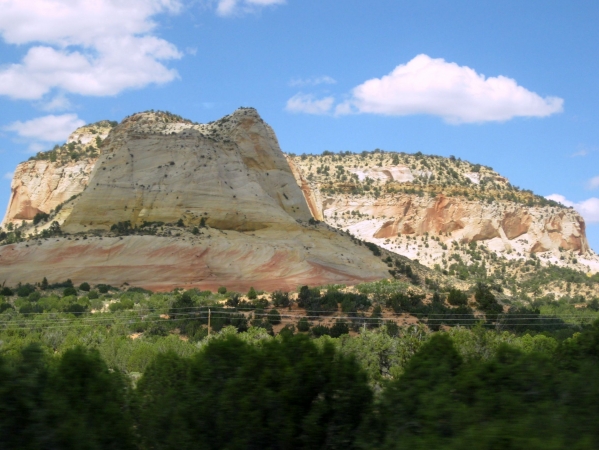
x=224, y=206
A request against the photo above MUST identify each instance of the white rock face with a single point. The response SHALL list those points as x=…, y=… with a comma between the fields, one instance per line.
x=393, y=218
x=40, y=186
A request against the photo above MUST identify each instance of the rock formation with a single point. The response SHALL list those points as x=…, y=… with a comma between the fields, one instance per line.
x=392, y=199
x=170, y=178
x=51, y=178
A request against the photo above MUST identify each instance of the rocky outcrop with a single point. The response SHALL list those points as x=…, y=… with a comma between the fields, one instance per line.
x=40, y=186
x=229, y=179
x=389, y=204
x=230, y=174
x=51, y=178
x=465, y=221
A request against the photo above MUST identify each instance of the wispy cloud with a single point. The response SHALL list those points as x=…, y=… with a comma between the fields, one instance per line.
x=314, y=81
x=593, y=183
x=588, y=209
x=235, y=7
x=307, y=103
x=8, y=175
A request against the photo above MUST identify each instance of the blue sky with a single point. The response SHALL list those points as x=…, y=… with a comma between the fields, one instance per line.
x=513, y=85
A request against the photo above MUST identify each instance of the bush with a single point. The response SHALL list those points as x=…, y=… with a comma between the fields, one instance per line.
x=303, y=325
x=125, y=303
x=320, y=330
x=93, y=295
x=252, y=295
x=5, y=306
x=222, y=290
x=457, y=298
x=40, y=217
x=69, y=291
x=25, y=290
x=274, y=317
x=34, y=296
x=74, y=308
x=103, y=288
x=84, y=287
x=280, y=299
x=6, y=292
x=340, y=327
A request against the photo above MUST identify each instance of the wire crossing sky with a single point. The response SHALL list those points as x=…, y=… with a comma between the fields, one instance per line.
x=512, y=85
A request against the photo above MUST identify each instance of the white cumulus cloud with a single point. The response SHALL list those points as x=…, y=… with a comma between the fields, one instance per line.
x=51, y=128
x=307, y=103
x=588, y=209
x=232, y=7
x=456, y=93
x=98, y=47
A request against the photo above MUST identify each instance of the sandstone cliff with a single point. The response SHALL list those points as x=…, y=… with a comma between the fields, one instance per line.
x=394, y=199
x=162, y=179
x=51, y=178
x=231, y=173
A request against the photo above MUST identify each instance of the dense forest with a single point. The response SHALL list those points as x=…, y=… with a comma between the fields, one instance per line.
x=293, y=392
x=378, y=366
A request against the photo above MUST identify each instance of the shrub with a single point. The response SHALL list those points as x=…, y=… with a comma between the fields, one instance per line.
x=6, y=292
x=303, y=325
x=69, y=291
x=252, y=295
x=457, y=298
x=125, y=303
x=40, y=217
x=340, y=327
x=5, y=306
x=274, y=317
x=34, y=296
x=320, y=330
x=93, y=295
x=222, y=290
x=103, y=288
x=84, y=287
x=25, y=290
x=280, y=299
x=74, y=308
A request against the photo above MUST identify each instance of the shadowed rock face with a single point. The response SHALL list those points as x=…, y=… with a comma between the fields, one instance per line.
x=232, y=174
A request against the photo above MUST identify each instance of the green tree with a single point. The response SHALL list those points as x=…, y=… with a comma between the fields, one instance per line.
x=252, y=294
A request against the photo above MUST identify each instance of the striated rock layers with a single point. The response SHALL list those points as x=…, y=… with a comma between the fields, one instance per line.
x=382, y=202
x=229, y=175
x=467, y=221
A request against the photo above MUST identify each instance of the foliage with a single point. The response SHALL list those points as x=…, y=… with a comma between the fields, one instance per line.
x=209, y=400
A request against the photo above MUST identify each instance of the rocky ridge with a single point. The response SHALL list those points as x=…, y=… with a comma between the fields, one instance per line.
x=436, y=209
